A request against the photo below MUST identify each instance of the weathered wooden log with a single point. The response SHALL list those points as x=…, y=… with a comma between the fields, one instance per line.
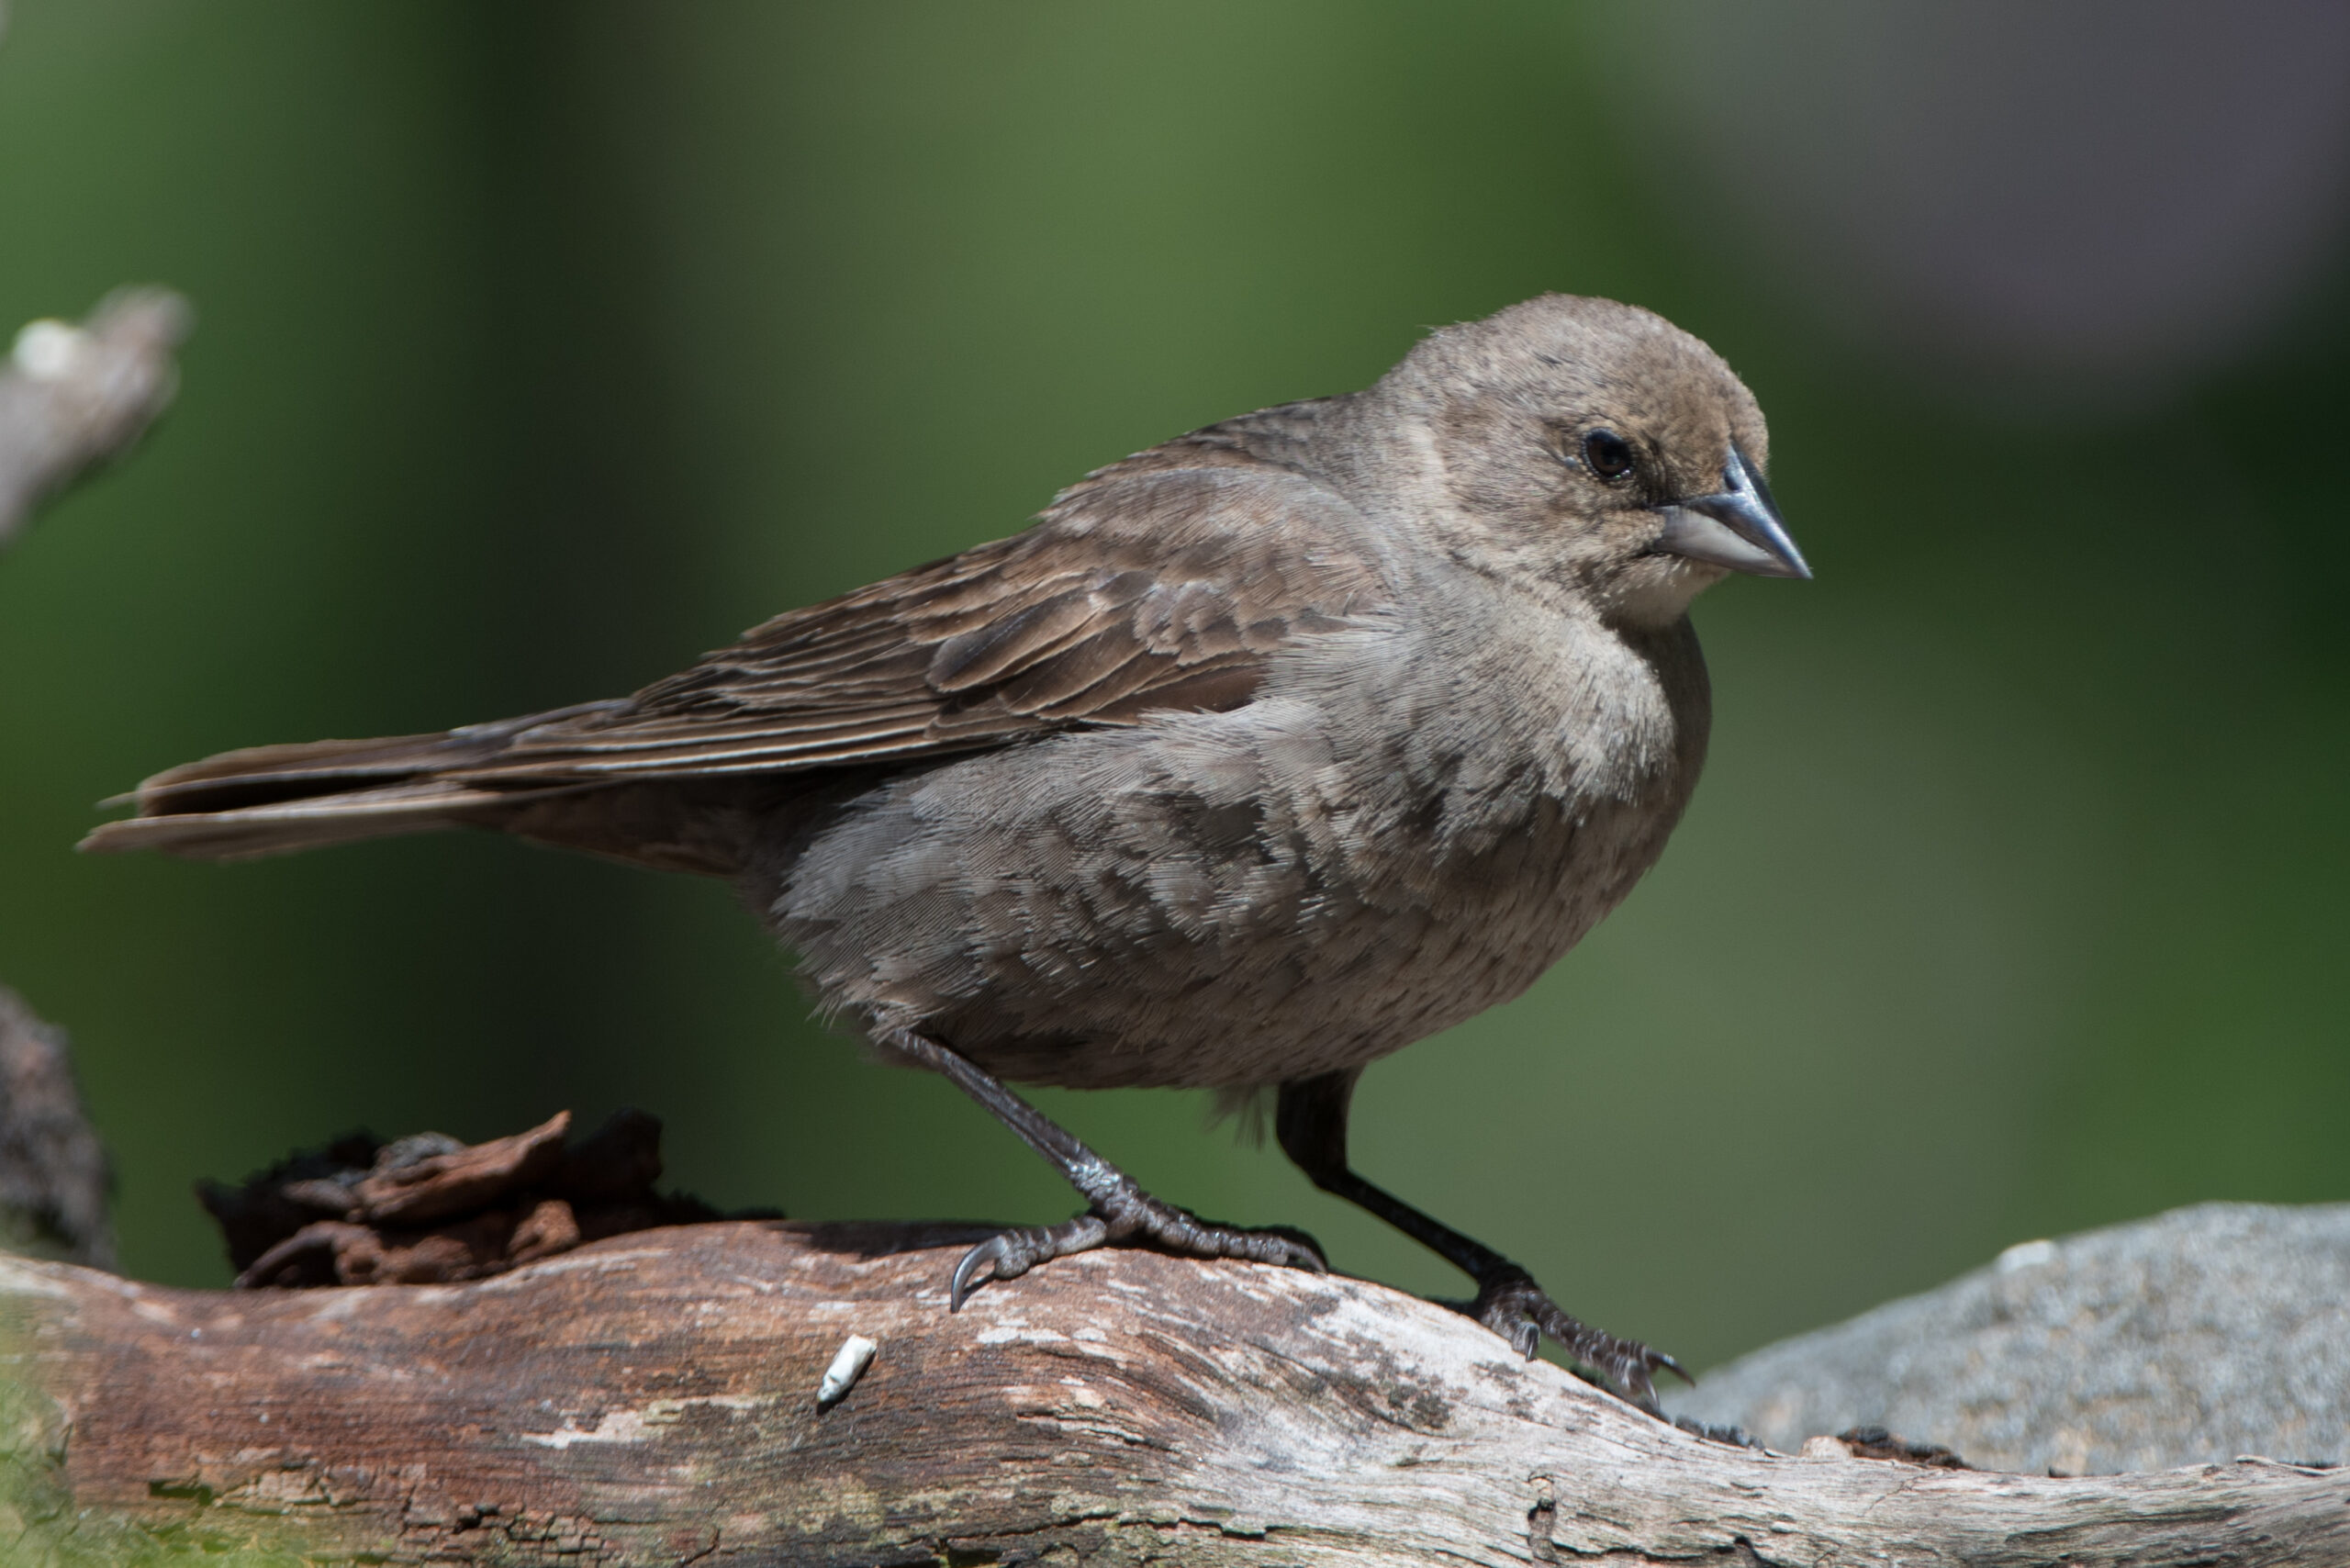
x=653, y=1399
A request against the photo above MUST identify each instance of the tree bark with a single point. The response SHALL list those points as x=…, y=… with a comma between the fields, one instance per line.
x=653, y=1399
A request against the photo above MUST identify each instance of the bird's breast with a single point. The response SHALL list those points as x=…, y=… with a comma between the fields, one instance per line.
x=1513, y=801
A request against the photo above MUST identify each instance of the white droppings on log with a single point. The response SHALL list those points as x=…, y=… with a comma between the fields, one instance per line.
x=854, y=1355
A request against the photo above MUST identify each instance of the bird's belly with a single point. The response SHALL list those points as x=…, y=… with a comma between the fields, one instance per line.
x=1108, y=933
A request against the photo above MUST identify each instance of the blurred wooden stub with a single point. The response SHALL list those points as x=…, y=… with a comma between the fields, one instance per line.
x=54, y=1177
x=75, y=396
x=651, y=1399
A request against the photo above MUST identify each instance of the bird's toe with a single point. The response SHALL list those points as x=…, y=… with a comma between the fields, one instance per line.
x=1008, y=1254
x=1514, y=1306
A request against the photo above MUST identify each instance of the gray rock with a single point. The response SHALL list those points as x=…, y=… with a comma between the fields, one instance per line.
x=2197, y=1336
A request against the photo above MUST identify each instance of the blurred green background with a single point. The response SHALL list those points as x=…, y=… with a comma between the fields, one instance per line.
x=542, y=347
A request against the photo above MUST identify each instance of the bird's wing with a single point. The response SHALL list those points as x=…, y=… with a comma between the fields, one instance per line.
x=1148, y=587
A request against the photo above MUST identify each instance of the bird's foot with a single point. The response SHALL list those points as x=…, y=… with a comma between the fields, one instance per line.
x=1126, y=1215
x=1511, y=1304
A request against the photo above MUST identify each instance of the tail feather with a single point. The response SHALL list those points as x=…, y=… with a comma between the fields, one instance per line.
x=277, y=798
x=312, y=822
x=264, y=774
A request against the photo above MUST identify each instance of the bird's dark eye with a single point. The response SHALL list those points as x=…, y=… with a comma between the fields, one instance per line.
x=1608, y=454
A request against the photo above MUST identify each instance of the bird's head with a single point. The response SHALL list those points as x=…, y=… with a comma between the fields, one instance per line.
x=1594, y=449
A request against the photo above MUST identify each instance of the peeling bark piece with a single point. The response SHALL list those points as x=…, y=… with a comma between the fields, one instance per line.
x=550, y=1227
x=339, y=1252
x=365, y=1256
x=462, y=1180
x=426, y=1209
x=306, y=1257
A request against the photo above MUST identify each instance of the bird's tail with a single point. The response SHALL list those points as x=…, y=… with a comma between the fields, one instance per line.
x=277, y=798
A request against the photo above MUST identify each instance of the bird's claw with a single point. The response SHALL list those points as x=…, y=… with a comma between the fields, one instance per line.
x=987, y=1260
x=1511, y=1304
x=1129, y=1216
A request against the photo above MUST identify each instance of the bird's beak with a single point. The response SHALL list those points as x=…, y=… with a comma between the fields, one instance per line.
x=1740, y=527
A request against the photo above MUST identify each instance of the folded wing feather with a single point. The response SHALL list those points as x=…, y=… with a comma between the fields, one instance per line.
x=1147, y=587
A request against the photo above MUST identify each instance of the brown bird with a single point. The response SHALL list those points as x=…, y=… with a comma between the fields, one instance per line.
x=1264, y=753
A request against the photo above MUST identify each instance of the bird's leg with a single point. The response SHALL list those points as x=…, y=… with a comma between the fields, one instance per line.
x=1311, y=1123
x=1119, y=1212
